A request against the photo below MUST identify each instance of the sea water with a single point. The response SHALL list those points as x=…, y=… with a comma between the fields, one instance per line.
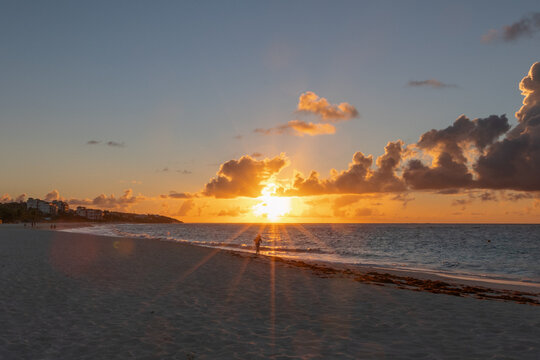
x=506, y=252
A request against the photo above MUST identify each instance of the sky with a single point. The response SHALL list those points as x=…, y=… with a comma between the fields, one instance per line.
x=207, y=111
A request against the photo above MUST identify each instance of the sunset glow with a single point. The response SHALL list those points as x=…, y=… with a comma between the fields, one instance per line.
x=271, y=207
x=250, y=127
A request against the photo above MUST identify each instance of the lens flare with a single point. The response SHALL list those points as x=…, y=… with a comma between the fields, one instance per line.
x=272, y=207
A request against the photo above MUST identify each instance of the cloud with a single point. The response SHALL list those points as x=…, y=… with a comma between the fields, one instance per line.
x=343, y=202
x=469, y=154
x=462, y=202
x=359, y=178
x=180, y=171
x=449, y=191
x=299, y=128
x=232, y=212
x=53, y=195
x=446, y=173
x=177, y=195
x=108, y=143
x=483, y=153
x=6, y=198
x=448, y=146
x=115, y=144
x=110, y=202
x=302, y=128
x=514, y=162
x=404, y=198
x=433, y=83
x=186, y=207
x=517, y=196
x=309, y=102
x=488, y=196
x=363, y=212
x=244, y=177
x=256, y=155
x=527, y=26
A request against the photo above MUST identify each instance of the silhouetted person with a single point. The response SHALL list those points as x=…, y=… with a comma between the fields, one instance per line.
x=257, y=242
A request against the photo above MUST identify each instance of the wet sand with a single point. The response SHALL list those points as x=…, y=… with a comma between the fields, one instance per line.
x=67, y=295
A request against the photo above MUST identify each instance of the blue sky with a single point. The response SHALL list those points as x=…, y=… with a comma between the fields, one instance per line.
x=176, y=82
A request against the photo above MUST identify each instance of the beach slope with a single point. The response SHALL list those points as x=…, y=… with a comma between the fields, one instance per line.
x=76, y=296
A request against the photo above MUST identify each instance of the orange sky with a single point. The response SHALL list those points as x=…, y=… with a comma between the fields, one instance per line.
x=279, y=112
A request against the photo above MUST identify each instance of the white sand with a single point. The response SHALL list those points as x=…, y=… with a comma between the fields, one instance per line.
x=73, y=296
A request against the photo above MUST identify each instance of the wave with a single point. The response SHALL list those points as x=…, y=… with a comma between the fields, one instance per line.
x=455, y=250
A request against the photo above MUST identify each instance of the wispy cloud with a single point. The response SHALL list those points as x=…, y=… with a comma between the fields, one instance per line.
x=433, y=83
x=527, y=26
x=116, y=144
x=177, y=195
x=108, y=143
x=299, y=128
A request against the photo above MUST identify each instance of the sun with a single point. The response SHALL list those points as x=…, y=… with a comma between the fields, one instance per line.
x=272, y=207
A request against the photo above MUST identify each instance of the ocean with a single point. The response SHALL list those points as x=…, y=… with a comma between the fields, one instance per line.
x=502, y=252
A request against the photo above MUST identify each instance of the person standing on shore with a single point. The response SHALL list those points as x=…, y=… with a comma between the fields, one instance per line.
x=257, y=242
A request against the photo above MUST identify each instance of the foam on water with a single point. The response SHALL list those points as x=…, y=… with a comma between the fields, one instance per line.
x=508, y=252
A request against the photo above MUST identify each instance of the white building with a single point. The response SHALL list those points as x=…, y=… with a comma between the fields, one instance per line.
x=62, y=206
x=32, y=203
x=81, y=211
x=43, y=206
x=90, y=214
x=47, y=208
x=93, y=214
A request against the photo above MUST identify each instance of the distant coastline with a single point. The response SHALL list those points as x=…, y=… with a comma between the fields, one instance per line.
x=21, y=212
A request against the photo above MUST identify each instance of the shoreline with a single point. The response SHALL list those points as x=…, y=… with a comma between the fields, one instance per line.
x=71, y=295
x=495, y=283
x=411, y=279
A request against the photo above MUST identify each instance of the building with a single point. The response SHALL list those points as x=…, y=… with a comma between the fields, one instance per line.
x=32, y=203
x=81, y=211
x=63, y=207
x=90, y=214
x=47, y=208
x=43, y=206
x=93, y=214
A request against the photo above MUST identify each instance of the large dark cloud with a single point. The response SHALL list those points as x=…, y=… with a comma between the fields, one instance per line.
x=469, y=154
x=446, y=173
x=449, y=147
x=243, y=177
x=514, y=162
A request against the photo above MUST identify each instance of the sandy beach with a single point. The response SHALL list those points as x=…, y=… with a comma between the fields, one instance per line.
x=75, y=296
